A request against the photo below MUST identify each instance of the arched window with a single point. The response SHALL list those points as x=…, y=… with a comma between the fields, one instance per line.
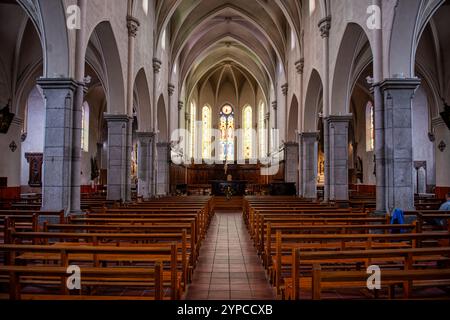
x=312, y=6
x=262, y=130
x=226, y=128
x=145, y=6
x=292, y=39
x=192, y=127
x=85, y=127
x=163, y=40
x=206, y=132
x=248, y=131
x=370, y=127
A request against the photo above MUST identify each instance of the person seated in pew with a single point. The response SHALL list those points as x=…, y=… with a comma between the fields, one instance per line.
x=444, y=207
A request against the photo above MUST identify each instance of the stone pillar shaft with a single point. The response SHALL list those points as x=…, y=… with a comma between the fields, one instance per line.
x=291, y=160
x=57, y=166
x=338, y=156
x=309, y=151
x=145, y=162
x=162, y=176
x=398, y=95
x=379, y=150
x=118, y=128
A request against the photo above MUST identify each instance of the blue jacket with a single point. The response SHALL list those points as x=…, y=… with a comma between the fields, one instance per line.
x=445, y=206
x=398, y=218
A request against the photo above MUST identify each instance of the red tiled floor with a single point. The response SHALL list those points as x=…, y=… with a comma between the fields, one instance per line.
x=228, y=267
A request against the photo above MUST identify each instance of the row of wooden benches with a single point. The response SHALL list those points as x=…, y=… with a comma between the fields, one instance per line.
x=323, y=247
x=152, y=246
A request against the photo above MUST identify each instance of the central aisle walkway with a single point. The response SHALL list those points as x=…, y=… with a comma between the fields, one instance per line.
x=228, y=266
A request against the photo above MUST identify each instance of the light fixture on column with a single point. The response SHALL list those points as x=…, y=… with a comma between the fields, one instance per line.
x=13, y=146
x=442, y=146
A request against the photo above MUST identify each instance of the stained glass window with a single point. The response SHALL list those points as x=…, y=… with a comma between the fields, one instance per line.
x=85, y=127
x=226, y=127
x=206, y=132
x=248, y=131
x=262, y=130
x=192, y=128
x=370, y=127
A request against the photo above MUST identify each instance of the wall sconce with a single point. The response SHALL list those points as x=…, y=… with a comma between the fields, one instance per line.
x=13, y=146
x=442, y=146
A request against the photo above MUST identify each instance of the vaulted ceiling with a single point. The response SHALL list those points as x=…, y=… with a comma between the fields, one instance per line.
x=253, y=34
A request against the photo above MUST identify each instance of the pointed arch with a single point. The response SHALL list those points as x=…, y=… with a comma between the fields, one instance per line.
x=313, y=98
x=163, y=133
x=247, y=125
x=144, y=103
x=206, y=131
x=354, y=47
x=293, y=119
x=115, y=90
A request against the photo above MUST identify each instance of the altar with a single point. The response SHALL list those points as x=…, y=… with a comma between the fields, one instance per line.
x=218, y=187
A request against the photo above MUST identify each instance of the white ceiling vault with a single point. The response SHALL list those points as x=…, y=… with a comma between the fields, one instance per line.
x=248, y=39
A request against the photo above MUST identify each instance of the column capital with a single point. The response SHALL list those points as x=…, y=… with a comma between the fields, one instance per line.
x=437, y=122
x=290, y=144
x=400, y=84
x=117, y=118
x=163, y=145
x=145, y=134
x=187, y=116
x=309, y=136
x=300, y=66
x=156, y=65
x=325, y=26
x=16, y=121
x=133, y=25
x=339, y=118
x=274, y=105
x=267, y=116
x=58, y=83
x=285, y=89
x=170, y=89
x=145, y=137
x=180, y=105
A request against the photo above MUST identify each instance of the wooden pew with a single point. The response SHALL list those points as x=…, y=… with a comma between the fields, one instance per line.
x=65, y=254
x=111, y=277
x=406, y=275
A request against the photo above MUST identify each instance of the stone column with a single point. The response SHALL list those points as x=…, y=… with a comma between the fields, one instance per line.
x=57, y=169
x=267, y=126
x=133, y=26
x=309, y=151
x=162, y=177
x=145, y=163
x=285, y=91
x=180, y=109
x=398, y=95
x=156, y=69
x=118, y=126
x=275, y=126
x=129, y=151
x=299, y=66
x=338, y=156
x=324, y=28
x=291, y=162
x=80, y=61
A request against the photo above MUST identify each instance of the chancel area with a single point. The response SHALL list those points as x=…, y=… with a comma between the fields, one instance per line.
x=224, y=149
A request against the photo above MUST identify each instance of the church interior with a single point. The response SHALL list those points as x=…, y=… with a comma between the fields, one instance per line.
x=224, y=149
